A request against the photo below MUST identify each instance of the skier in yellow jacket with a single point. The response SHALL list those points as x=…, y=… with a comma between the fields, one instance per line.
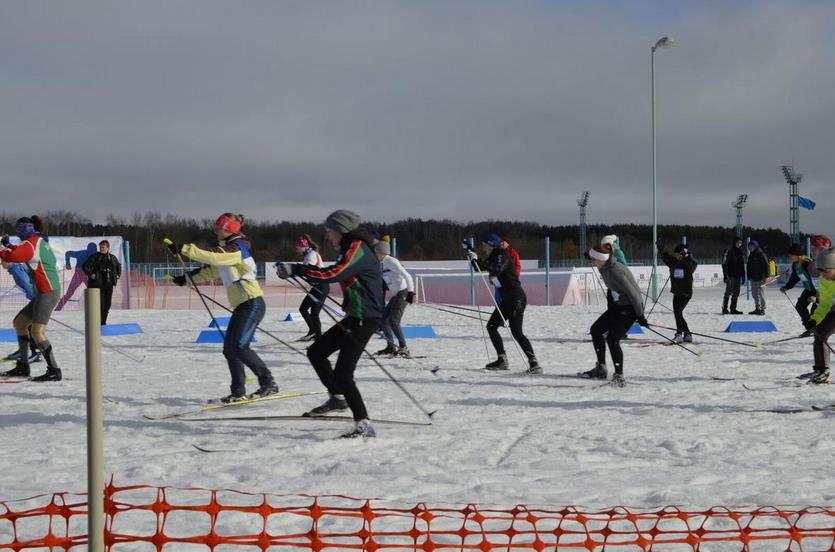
x=233, y=264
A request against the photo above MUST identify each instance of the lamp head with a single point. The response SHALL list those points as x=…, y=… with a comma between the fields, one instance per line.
x=664, y=42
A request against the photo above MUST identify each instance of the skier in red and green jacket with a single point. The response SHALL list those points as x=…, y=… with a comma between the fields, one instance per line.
x=34, y=250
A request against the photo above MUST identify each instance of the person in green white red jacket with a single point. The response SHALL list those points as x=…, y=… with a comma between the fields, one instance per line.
x=34, y=250
x=233, y=264
x=800, y=273
x=822, y=322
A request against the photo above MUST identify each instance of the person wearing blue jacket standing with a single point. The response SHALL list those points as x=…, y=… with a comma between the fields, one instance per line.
x=357, y=271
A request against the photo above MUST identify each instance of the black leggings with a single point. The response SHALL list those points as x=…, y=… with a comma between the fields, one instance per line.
x=679, y=304
x=514, y=313
x=245, y=318
x=821, y=348
x=349, y=336
x=312, y=306
x=802, y=305
x=610, y=328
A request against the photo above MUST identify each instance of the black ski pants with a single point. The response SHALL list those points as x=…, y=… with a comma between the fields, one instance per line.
x=732, y=286
x=680, y=301
x=822, y=333
x=311, y=307
x=392, y=315
x=514, y=312
x=106, y=300
x=802, y=305
x=349, y=336
x=609, y=329
x=245, y=318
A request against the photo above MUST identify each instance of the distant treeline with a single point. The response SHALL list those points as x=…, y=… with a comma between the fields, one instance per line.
x=417, y=239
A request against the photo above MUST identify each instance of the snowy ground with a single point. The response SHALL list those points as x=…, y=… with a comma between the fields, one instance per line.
x=679, y=437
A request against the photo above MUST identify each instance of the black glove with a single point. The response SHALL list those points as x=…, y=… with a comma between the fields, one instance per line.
x=659, y=243
x=284, y=270
x=410, y=297
x=810, y=324
x=783, y=289
x=5, y=241
x=642, y=321
x=174, y=248
x=180, y=280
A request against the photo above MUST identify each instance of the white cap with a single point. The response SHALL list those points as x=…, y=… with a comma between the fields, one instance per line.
x=609, y=240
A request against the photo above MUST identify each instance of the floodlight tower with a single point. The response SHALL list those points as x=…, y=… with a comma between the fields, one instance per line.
x=583, y=203
x=793, y=179
x=738, y=205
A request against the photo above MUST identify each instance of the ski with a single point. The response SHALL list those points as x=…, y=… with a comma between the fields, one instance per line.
x=784, y=385
x=823, y=407
x=267, y=418
x=14, y=380
x=244, y=402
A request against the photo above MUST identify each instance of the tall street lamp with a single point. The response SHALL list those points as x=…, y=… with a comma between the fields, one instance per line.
x=663, y=42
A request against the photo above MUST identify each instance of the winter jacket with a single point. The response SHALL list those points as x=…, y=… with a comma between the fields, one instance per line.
x=395, y=276
x=757, y=269
x=501, y=269
x=232, y=262
x=36, y=252
x=102, y=270
x=827, y=290
x=681, y=273
x=733, y=262
x=623, y=289
x=20, y=275
x=357, y=271
x=800, y=273
x=619, y=255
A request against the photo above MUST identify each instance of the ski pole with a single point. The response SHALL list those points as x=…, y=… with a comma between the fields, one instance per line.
x=659, y=296
x=756, y=345
x=429, y=305
x=801, y=336
x=691, y=351
x=459, y=307
x=116, y=349
x=466, y=245
x=295, y=281
x=179, y=257
x=496, y=304
x=259, y=328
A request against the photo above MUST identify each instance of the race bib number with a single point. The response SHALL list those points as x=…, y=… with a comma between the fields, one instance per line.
x=615, y=295
x=678, y=273
x=495, y=281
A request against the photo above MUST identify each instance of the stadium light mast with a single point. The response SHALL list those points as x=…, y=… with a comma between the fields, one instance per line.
x=738, y=205
x=583, y=203
x=663, y=42
x=793, y=179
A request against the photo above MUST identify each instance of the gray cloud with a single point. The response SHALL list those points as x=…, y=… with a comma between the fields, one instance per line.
x=465, y=110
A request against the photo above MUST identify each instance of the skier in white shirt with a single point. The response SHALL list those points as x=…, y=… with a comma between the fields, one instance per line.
x=401, y=288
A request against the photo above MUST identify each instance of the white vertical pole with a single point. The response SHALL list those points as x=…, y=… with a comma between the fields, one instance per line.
x=95, y=424
x=654, y=212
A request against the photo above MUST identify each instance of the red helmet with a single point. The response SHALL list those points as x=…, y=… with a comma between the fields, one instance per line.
x=229, y=224
x=822, y=242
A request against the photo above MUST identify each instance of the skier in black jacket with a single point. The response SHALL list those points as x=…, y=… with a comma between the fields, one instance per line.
x=103, y=271
x=510, y=299
x=733, y=273
x=757, y=272
x=682, y=266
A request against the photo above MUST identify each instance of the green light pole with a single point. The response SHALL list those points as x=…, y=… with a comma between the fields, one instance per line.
x=663, y=42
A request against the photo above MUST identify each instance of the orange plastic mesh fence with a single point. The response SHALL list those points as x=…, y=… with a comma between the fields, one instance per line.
x=166, y=518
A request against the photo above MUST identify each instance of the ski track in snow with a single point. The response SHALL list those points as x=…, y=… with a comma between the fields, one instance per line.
x=498, y=438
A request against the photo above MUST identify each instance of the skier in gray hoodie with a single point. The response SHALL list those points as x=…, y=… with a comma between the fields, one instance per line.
x=624, y=307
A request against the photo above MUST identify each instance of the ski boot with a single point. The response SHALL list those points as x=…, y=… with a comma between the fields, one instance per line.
x=678, y=338
x=403, y=352
x=755, y=311
x=12, y=356
x=598, y=372
x=618, y=380
x=21, y=370
x=498, y=364
x=228, y=399
x=333, y=404
x=735, y=311
x=809, y=375
x=265, y=390
x=688, y=337
x=534, y=367
x=820, y=377
x=388, y=351
x=52, y=374
x=362, y=428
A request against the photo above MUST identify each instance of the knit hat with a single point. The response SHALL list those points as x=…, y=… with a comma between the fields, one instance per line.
x=493, y=240
x=302, y=243
x=609, y=240
x=225, y=222
x=24, y=227
x=343, y=221
x=755, y=243
x=821, y=241
x=826, y=258
x=383, y=248
x=796, y=250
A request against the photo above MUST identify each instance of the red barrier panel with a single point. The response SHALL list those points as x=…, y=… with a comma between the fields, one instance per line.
x=166, y=518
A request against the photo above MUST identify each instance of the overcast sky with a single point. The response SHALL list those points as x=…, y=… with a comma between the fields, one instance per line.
x=468, y=110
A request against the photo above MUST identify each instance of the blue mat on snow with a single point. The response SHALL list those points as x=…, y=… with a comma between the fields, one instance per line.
x=8, y=336
x=635, y=329
x=213, y=336
x=751, y=326
x=222, y=321
x=121, y=329
x=418, y=332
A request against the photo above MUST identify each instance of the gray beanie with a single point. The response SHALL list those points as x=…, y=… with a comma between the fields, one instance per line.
x=383, y=248
x=826, y=258
x=343, y=221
